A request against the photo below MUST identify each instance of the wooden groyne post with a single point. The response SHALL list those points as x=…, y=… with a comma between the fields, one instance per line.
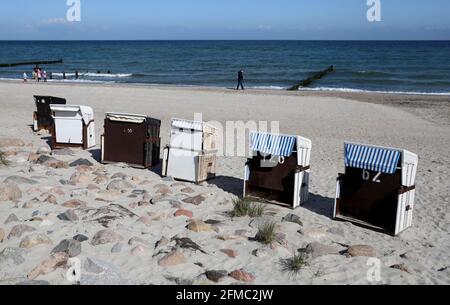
x=32, y=63
x=311, y=79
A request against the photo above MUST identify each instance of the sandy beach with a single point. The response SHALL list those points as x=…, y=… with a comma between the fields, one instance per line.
x=140, y=247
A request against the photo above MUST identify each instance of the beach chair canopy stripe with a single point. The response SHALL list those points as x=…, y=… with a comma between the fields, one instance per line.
x=378, y=159
x=184, y=124
x=272, y=144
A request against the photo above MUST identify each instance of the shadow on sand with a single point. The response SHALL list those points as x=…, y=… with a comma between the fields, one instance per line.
x=320, y=205
x=229, y=184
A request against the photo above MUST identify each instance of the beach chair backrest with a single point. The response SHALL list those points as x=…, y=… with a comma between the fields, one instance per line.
x=282, y=146
x=382, y=159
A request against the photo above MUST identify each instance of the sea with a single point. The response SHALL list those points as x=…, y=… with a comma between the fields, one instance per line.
x=415, y=67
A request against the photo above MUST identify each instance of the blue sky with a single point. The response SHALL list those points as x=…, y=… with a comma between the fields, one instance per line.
x=224, y=19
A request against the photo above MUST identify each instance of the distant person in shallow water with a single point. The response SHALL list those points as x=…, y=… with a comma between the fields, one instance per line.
x=240, y=80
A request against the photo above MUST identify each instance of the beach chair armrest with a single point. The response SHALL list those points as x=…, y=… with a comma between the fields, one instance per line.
x=406, y=189
x=300, y=169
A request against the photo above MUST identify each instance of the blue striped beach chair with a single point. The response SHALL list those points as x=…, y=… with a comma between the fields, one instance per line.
x=378, y=188
x=279, y=170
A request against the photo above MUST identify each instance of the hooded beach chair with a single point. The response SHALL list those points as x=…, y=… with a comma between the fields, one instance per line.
x=132, y=139
x=73, y=126
x=42, y=117
x=378, y=188
x=191, y=155
x=279, y=170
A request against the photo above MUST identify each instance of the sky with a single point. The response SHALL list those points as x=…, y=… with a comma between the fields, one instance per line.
x=224, y=20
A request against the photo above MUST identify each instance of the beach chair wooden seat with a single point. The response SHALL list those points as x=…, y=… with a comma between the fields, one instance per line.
x=378, y=188
x=42, y=117
x=73, y=126
x=132, y=139
x=279, y=170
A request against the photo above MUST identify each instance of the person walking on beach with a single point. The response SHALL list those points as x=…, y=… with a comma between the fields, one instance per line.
x=240, y=80
x=44, y=75
x=25, y=77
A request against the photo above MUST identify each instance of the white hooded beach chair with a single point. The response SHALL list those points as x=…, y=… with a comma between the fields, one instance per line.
x=279, y=170
x=378, y=188
x=193, y=135
x=191, y=155
x=73, y=126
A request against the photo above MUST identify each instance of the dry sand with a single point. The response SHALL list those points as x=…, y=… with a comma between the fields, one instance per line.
x=327, y=118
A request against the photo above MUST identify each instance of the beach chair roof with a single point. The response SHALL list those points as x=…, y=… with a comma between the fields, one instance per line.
x=380, y=159
x=86, y=112
x=186, y=124
x=273, y=144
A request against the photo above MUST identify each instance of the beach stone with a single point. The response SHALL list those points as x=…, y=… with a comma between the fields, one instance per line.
x=80, y=193
x=10, y=192
x=49, y=265
x=2, y=235
x=242, y=276
x=93, y=187
x=74, y=203
x=227, y=237
x=216, y=275
x=162, y=242
x=43, y=150
x=199, y=226
x=119, y=185
x=163, y=190
x=70, y=246
x=52, y=162
x=33, y=158
x=147, y=220
x=98, y=272
x=105, y=237
x=51, y=199
x=28, y=204
x=362, y=250
x=174, y=258
x=11, y=218
x=18, y=230
x=63, y=152
x=186, y=213
x=79, y=162
x=81, y=238
x=107, y=196
x=34, y=240
x=19, y=180
x=12, y=254
x=261, y=252
x=188, y=190
x=293, y=218
x=401, y=267
x=230, y=253
x=197, y=200
x=117, y=248
x=135, y=241
x=143, y=203
x=68, y=215
x=101, y=180
x=11, y=142
x=33, y=283
x=314, y=232
x=92, y=266
x=139, y=251
x=78, y=178
x=316, y=249
x=119, y=176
